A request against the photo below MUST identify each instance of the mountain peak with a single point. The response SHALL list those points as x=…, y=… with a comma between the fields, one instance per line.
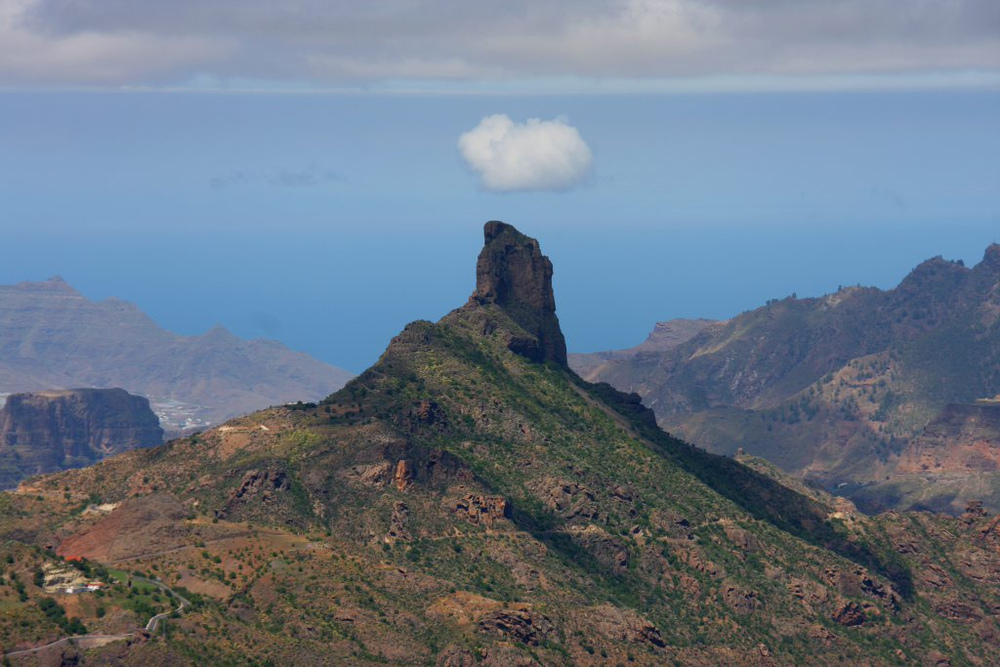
x=991, y=258
x=513, y=273
x=495, y=228
x=936, y=271
x=55, y=284
x=52, y=287
x=220, y=334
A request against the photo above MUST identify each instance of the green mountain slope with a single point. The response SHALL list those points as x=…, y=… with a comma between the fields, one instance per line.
x=470, y=500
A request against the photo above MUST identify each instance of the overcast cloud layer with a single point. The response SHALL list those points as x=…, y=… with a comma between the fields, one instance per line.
x=316, y=43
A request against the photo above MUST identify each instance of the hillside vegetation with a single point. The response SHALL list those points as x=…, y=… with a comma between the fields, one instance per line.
x=470, y=500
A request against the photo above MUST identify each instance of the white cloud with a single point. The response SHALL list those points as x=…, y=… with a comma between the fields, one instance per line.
x=536, y=155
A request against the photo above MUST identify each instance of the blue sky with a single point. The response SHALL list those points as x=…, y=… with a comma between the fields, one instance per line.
x=324, y=200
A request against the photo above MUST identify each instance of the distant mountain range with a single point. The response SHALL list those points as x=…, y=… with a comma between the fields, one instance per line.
x=841, y=389
x=52, y=337
x=664, y=336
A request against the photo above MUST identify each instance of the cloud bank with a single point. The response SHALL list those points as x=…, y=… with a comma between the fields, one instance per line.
x=535, y=155
x=319, y=43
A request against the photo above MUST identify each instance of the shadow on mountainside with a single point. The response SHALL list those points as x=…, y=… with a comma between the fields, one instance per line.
x=761, y=496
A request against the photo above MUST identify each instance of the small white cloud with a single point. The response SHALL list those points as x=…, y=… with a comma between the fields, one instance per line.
x=536, y=155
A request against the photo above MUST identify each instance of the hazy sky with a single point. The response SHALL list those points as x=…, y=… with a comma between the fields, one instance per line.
x=319, y=172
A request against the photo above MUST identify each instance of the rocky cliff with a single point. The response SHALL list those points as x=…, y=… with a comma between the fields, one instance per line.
x=513, y=273
x=54, y=430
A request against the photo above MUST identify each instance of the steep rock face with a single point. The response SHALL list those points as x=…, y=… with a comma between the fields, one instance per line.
x=54, y=430
x=513, y=273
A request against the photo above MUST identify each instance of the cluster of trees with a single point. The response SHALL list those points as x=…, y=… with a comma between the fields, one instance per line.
x=55, y=612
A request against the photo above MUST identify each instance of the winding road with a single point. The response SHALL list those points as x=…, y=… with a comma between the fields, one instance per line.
x=88, y=641
x=155, y=621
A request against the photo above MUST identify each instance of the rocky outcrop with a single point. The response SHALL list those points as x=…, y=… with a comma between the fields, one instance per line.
x=623, y=625
x=513, y=273
x=403, y=476
x=519, y=625
x=398, y=522
x=850, y=614
x=566, y=498
x=740, y=600
x=479, y=509
x=260, y=483
x=427, y=414
x=53, y=430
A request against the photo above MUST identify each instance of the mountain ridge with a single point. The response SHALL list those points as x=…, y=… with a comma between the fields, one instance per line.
x=834, y=387
x=470, y=500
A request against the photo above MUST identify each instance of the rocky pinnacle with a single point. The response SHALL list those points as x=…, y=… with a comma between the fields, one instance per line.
x=513, y=273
